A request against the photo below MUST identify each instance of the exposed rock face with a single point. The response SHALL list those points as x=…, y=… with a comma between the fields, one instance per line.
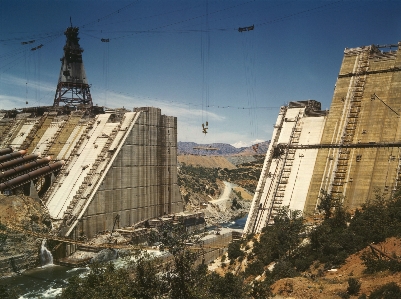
x=225, y=207
x=19, y=250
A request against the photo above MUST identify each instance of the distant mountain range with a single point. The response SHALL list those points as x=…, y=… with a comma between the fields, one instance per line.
x=221, y=149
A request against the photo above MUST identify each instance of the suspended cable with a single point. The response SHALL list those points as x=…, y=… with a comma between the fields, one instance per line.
x=152, y=16
x=14, y=62
x=185, y=104
x=27, y=39
x=106, y=43
x=108, y=15
x=187, y=20
x=330, y=4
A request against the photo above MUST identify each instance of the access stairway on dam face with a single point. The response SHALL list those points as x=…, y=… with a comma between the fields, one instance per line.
x=33, y=132
x=264, y=213
x=254, y=212
x=88, y=163
x=348, y=134
x=285, y=167
x=47, y=120
x=63, y=133
x=11, y=132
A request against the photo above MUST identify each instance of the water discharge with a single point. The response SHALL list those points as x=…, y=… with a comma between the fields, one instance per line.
x=46, y=257
x=48, y=282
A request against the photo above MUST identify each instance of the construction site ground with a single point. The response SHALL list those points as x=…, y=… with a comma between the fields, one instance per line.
x=206, y=161
x=317, y=283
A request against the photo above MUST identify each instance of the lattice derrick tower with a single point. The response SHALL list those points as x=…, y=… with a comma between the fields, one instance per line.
x=73, y=89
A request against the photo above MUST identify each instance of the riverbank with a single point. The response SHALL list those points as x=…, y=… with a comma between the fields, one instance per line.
x=48, y=281
x=228, y=207
x=19, y=250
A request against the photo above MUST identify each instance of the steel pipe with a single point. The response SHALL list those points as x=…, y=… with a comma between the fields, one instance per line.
x=25, y=167
x=21, y=180
x=13, y=155
x=19, y=160
x=4, y=151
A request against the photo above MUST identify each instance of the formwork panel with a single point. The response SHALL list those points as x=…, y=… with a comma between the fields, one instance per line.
x=100, y=204
x=126, y=177
x=133, y=196
x=125, y=199
x=108, y=201
x=108, y=180
x=117, y=177
x=116, y=201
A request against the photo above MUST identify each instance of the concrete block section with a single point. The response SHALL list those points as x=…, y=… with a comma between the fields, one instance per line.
x=135, y=184
x=350, y=152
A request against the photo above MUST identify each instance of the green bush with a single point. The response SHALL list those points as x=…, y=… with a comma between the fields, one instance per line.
x=343, y=295
x=388, y=291
x=234, y=250
x=283, y=269
x=256, y=268
x=8, y=292
x=375, y=264
x=354, y=285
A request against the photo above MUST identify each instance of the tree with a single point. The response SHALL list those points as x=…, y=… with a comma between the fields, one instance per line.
x=234, y=250
x=328, y=203
x=102, y=281
x=6, y=292
x=229, y=286
x=388, y=291
x=282, y=239
x=354, y=285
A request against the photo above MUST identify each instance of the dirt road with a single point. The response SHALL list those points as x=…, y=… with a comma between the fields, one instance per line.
x=222, y=200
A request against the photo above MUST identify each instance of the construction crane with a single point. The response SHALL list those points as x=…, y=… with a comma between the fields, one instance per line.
x=248, y=28
x=205, y=128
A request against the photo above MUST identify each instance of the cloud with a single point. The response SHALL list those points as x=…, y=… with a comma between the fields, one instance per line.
x=246, y=144
x=240, y=144
x=257, y=141
x=11, y=102
x=181, y=111
x=189, y=118
x=18, y=81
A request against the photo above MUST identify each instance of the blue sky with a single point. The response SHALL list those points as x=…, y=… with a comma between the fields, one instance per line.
x=188, y=58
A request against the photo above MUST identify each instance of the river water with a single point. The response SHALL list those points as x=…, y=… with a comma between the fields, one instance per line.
x=43, y=282
x=48, y=281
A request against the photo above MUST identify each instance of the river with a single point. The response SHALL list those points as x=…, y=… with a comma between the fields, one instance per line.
x=43, y=282
x=48, y=281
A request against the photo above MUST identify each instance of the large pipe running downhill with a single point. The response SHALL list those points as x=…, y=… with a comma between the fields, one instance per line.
x=19, y=160
x=24, y=167
x=12, y=155
x=4, y=151
x=18, y=181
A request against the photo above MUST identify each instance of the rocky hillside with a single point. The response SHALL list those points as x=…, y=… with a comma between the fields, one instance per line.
x=350, y=280
x=202, y=189
x=25, y=213
x=206, y=161
x=223, y=149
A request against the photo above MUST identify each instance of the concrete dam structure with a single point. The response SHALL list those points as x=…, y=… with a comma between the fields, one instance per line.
x=102, y=166
x=350, y=151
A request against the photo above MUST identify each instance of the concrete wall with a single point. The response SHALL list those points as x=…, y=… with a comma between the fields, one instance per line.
x=364, y=113
x=142, y=181
x=365, y=169
x=286, y=172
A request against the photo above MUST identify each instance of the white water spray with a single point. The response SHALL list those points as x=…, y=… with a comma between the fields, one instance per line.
x=46, y=257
